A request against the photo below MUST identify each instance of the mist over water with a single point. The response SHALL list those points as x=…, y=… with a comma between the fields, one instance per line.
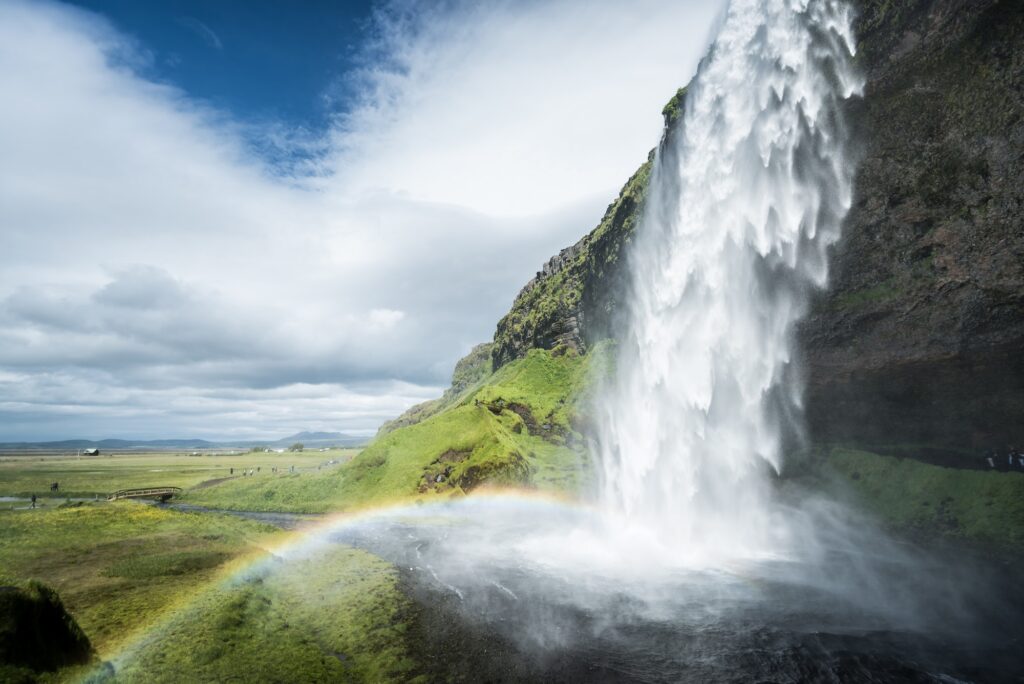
x=747, y=193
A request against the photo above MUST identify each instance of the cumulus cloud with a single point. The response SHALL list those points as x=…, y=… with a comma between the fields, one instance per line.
x=162, y=276
x=466, y=102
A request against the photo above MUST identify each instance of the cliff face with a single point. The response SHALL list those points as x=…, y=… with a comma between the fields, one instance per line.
x=574, y=299
x=919, y=338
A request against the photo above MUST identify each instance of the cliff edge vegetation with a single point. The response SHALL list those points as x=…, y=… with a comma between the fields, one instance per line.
x=517, y=427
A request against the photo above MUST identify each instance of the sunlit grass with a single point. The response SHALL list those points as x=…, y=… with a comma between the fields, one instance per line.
x=335, y=616
x=118, y=566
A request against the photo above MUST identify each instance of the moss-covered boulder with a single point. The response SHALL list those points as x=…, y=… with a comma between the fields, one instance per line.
x=37, y=634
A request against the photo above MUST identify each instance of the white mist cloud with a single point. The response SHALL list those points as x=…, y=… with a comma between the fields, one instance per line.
x=158, y=277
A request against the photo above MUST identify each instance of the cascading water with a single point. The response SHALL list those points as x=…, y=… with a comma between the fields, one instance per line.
x=747, y=193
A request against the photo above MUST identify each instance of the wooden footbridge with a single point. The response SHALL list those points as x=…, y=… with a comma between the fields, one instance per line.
x=162, y=493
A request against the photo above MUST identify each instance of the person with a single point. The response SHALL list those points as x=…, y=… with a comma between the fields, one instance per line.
x=33, y=501
x=232, y=471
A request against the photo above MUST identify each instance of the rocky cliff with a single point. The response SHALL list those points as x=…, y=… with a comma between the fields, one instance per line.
x=919, y=338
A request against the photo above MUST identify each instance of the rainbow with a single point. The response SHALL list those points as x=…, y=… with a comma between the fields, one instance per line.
x=304, y=540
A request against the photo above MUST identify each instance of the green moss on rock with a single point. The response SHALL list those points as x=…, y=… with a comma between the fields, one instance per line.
x=674, y=108
x=571, y=301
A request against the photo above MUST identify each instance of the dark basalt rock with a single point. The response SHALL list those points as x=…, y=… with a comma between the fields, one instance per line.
x=918, y=339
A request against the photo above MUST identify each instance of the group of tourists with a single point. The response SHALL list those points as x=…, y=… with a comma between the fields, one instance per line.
x=249, y=472
x=1012, y=460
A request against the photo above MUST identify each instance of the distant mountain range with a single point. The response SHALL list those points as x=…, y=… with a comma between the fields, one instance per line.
x=306, y=438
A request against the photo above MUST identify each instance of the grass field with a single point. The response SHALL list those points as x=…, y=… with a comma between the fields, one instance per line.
x=910, y=497
x=22, y=475
x=171, y=596
x=119, y=566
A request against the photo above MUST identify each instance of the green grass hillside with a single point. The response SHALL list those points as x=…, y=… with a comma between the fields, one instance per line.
x=336, y=616
x=908, y=496
x=470, y=372
x=518, y=427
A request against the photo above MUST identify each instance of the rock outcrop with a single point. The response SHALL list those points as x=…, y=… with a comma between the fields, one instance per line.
x=37, y=634
x=919, y=338
x=575, y=298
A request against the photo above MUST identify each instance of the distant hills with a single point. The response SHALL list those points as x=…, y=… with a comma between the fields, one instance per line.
x=306, y=438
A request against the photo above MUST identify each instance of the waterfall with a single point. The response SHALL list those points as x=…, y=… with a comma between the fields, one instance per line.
x=748, y=191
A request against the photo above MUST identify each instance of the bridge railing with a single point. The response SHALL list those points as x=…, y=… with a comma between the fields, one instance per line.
x=143, y=492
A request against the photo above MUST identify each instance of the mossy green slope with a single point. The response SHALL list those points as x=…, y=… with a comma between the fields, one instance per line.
x=335, y=616
x=572, y=300
x=518, y=427
x=982, y=506
x=471, y=370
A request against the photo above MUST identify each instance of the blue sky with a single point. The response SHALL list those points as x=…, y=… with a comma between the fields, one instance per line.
x=259, y=59
x=244, y=220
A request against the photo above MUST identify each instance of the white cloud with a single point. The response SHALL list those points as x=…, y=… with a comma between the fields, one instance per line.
x=205, y=33
x=517, y=108
x=384, y=319
x=157, y=276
